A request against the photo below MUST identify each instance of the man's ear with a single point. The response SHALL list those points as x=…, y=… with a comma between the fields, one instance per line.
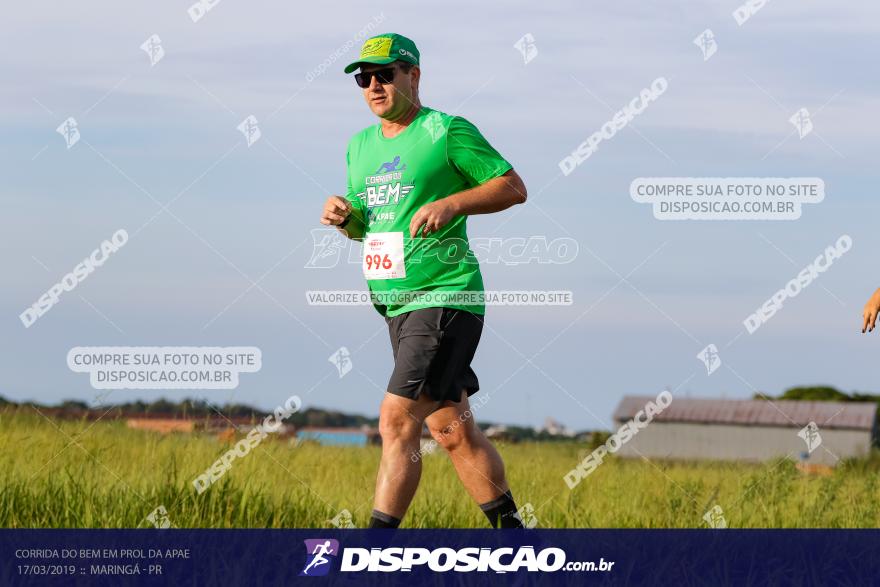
x=417, y=74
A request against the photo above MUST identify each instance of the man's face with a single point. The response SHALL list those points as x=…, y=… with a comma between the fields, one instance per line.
x=392, y=100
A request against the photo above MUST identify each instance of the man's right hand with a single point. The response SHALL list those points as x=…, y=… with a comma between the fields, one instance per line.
x=336, y=210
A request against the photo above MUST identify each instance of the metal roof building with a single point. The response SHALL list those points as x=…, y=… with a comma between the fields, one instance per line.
x=750, y=430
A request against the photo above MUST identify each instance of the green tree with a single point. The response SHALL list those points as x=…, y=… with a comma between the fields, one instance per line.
x=821, y=393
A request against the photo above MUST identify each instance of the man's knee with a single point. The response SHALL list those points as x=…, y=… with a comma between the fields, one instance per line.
x=396, y=425
x=454, y=435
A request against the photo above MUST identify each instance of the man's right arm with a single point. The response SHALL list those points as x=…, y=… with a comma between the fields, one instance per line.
x=348, y=219
x=346, y=213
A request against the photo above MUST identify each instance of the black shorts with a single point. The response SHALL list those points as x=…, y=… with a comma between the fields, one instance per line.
x=433, y=349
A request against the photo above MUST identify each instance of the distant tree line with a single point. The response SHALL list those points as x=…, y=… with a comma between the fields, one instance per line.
x=822, y=393
x=191, y=409
x=200, y=410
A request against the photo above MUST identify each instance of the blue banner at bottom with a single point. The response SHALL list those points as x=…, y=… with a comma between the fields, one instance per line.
x=436, y=557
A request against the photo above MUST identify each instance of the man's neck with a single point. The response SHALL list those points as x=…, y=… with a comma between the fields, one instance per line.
x=392, y=128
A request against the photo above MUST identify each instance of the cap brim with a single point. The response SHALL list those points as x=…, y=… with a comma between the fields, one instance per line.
x=377, y=60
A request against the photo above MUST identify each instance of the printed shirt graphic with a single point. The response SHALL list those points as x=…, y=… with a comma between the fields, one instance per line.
x=437, y=155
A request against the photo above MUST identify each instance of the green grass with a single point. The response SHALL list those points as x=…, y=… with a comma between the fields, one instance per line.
x=103, y=475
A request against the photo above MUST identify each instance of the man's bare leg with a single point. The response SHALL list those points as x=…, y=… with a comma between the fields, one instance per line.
x=476, y=461
x=400, y=424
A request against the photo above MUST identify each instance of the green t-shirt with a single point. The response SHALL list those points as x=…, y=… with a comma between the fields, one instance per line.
x=437, y=155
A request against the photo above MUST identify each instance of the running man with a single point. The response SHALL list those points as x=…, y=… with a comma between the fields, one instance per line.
x=413, y=179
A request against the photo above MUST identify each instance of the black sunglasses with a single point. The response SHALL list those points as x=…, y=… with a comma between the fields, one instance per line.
x=385, y=76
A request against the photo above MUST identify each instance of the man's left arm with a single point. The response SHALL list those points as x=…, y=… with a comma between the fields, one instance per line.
x=495, y=185
x=497, y=194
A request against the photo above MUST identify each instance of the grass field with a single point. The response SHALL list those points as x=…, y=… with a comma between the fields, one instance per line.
x=80, y=474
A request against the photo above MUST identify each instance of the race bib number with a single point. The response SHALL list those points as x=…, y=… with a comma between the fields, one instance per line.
x=383, y=255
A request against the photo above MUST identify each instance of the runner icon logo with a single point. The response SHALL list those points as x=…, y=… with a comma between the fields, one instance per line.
x=327, y=247
x=710, y=358
x=153, y=48
x=320, y=552
x=250, y=128
x=342, y=359
x=70, y=131
x=715, y=518
x=527, y=48
x=706, y=42
x=433, y=124
x=526, y=515
x=810, y=435
x=391, y=166
x=802, y=122
x=343, y=520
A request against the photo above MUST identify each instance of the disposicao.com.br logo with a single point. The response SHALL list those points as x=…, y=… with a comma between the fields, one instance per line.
x=319, y=554
x=322, y=551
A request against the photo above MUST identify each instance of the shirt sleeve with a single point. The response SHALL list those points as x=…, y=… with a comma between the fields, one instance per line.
x=471, y=154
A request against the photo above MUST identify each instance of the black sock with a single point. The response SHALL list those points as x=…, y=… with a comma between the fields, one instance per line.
x=382, y=520
x=502, y=512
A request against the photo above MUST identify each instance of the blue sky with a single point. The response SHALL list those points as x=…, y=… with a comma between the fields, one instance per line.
x=169, y=131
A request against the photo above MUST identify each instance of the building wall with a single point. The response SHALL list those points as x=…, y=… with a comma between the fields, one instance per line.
x=678, y=440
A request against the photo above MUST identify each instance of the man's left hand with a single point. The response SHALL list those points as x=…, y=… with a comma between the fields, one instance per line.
x=431, y=218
